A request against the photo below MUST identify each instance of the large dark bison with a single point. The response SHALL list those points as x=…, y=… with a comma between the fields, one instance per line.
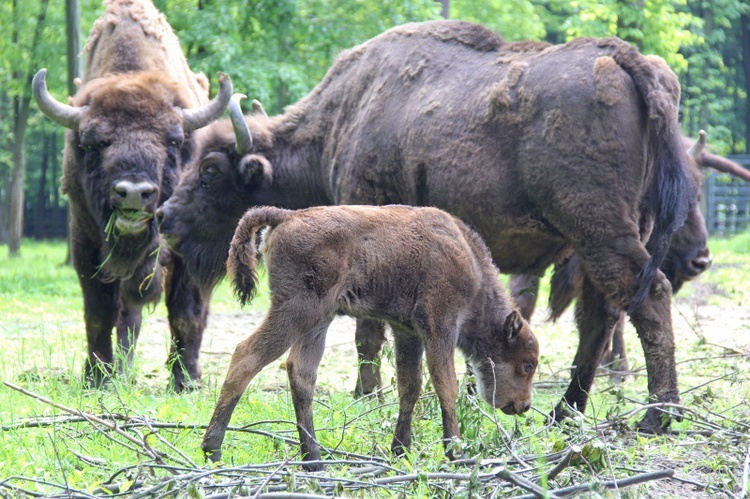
x=687, y=258
x=544, y=150
x=130, y=136
x=419, y=269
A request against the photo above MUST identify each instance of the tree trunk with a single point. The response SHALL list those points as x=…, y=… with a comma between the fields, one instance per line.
x=446, y=8
x=745, y=26
x=73, y=29
x=21, y=117
x=15, y=232
x=42, y=199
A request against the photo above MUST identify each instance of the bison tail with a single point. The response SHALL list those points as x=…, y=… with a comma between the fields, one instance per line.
x=565, y=285
x=673, y=191
x=242, y=261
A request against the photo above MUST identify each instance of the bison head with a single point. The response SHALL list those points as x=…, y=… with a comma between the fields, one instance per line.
x=505, y=372
x=128, y=139
x=199, y=219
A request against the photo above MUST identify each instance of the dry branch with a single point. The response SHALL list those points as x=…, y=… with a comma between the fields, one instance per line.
x=611, y=484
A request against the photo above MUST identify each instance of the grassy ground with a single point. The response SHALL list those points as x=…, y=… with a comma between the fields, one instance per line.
x=147, y=440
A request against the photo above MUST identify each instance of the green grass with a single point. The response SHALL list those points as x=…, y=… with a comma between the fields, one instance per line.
x=43, y=348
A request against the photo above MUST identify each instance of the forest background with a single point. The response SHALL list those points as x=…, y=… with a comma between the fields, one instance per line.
x=277, y=51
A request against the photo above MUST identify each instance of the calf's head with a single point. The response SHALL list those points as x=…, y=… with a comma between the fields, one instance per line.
x=200, y=217
x=128, y=139
x=505, y=365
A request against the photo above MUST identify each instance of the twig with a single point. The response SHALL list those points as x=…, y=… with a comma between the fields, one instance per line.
x=625, y=482
x=743, y=492
x=536, y=491
x=89, y=417
x=269, y=477
x=574, y=452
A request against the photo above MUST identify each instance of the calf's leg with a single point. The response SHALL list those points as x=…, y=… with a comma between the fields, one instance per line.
x=440, y=351
x=369, y=338
x=302, y=369
x=408, y=350
x=272, y=338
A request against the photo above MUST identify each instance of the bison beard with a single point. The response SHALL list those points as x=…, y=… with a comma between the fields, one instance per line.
x=130, y=134
x=544, y=150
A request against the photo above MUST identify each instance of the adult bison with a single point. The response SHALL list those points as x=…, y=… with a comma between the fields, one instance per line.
x=544, y=150
x=687, y=258
x=130, y=135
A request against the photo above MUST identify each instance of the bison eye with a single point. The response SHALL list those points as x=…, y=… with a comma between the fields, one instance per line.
x=528, y=367
x=87, y=141
x=175, y=138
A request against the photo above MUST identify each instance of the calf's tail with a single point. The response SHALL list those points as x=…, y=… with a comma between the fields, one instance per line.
x=672, y=191
x=242, y=261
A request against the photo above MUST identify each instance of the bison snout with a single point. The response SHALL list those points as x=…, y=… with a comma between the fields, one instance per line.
x=161, y=215
x=517, y=407
x=702, y=263
x=134, y=196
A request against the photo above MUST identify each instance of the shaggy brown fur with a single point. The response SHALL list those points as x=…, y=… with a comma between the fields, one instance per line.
x=519, y=140
x=134, y=109
x=419, y=269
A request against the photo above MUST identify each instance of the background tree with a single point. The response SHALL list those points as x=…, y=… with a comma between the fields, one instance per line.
x=278, y=51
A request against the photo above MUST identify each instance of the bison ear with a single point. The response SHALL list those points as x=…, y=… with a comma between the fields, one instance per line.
x=513, y=325
x=255, y=170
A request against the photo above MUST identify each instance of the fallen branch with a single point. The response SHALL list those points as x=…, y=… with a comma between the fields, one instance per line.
x=611, y=484
x=574, y=452
x=89, y=418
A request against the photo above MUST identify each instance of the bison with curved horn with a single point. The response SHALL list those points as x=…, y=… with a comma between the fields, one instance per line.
x=687, y=258
x=544, y=150
x=131, y=127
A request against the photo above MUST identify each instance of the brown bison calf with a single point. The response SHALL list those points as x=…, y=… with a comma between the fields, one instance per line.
x=421, y=270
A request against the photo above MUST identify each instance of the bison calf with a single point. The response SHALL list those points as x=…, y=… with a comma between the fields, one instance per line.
x=421, y=270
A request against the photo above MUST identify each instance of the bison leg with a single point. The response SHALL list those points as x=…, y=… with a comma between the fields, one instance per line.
x=369, y=337
x=408, y=350
x=524, y=289
x=188, y=315
x=653, y=322
x=440, y=351
x=302, y=369
x=614, y=358
x=100, y=307
x=595, y=320
x=128, y=330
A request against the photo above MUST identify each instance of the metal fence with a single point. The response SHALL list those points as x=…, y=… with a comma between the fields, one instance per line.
x=726, y=201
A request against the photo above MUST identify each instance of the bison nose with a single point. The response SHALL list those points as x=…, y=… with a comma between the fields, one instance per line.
x=160, y=214
x=702, y=263
x=522, y=407
x=129, y=195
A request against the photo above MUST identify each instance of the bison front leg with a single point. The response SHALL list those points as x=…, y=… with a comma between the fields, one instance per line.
x=440, y=352
x=302, y=369
x=100, y=308
x=369, y=338
x=524, y=289
x=653, y=322
x=188, y=315
x=409, y=348
x=595, y=320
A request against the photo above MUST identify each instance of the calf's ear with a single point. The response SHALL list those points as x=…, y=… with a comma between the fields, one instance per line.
x=513, y=325
x=255, y=170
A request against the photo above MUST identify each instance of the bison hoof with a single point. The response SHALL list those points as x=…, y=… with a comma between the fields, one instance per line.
x=212, y=455
x=313, y=466
x=657, y=420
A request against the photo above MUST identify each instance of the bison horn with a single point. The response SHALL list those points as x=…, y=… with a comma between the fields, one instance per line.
x=697, y=148
x=258, y=108
x=192, y=119
x=62, y=114
x=241, y=130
